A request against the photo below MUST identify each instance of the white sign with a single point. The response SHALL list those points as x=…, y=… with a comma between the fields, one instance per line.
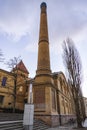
x=28, y=114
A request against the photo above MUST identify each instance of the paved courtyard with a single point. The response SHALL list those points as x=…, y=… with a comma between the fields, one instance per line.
x=70, y=127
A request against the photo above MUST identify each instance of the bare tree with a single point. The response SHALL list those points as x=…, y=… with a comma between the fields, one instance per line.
x=1, y=56
x=12, y=64
x=74, y=70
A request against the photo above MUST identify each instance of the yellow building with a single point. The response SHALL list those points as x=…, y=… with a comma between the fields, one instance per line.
x=6, y=89
x=13, y=87
x=85, y=103
x=64, y=98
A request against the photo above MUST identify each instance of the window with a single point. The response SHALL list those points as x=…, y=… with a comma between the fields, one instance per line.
x=53, y=99
x=63, y=101
x=26, y=88
x=1, y=99
x=63, y=105
x=61, y=81
x=4, y=81
x=25, y=101
x=21, y=89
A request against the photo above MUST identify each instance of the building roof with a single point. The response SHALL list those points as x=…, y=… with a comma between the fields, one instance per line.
x=7, y=72
x=22, y=67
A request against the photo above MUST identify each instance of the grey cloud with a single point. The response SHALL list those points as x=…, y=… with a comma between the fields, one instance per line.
x=65, y=17
x=68, y=18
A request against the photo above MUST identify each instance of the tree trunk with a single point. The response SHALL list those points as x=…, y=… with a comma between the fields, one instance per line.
x=14, y=95
x=14, y=104
x=78, y=114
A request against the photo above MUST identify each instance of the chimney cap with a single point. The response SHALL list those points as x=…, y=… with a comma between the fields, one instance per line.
x=43, y=4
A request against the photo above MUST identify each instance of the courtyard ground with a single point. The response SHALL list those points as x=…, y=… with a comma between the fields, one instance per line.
x=70, y=127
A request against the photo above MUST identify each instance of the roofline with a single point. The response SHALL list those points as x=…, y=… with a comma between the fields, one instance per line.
x=59, y=73
x=5, y=71
x=21, y=70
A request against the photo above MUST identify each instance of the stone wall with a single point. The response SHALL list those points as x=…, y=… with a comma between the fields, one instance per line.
x=66, y=118
x=52, y=120
x=55, y=120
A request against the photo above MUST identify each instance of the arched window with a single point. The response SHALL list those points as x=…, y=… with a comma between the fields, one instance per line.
x=61, y=83
x=4, y=81
x=21, y=89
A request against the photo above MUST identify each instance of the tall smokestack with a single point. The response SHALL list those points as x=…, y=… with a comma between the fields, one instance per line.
x=43, y=66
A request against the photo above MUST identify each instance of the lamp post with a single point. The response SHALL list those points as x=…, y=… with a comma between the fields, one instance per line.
x=30, y=94
x=29, y=110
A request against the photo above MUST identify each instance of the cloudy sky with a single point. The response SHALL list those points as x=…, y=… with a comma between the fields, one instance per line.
x=19, y=31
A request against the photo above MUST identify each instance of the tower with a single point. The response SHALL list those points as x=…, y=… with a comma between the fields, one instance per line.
x=44, y=91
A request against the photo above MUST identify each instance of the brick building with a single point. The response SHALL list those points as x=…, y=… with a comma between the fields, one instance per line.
x=52, y=96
